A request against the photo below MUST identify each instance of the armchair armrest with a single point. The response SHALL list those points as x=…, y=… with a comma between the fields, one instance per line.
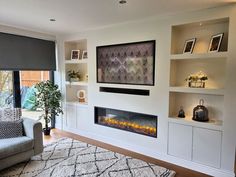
x=33, y=129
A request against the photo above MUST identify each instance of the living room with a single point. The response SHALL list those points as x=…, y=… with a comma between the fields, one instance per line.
x=142, y=88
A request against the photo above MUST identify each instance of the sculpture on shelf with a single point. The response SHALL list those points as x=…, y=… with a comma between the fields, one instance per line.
x=200, y=112
x=181, y=112
x=81, y=96
x=197, y=80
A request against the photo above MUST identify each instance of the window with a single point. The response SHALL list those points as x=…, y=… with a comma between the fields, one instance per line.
x=6, y=89
x=28, y=80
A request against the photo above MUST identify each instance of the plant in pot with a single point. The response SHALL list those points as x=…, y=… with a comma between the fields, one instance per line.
x=74, y=76
x=197, y=80
x=48, y=99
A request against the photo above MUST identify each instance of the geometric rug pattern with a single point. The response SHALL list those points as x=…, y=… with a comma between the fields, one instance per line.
x=71, y=158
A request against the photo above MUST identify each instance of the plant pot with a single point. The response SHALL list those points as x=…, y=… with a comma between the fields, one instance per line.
x=74, y=79
x=47, y=131
x=196, y=84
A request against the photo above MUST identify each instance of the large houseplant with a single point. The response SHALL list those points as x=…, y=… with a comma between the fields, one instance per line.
x=48, y=99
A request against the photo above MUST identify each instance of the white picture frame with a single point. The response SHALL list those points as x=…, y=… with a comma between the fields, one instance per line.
x=85, y=54
x=189, y=45
x=215, y=42
x=75, y=54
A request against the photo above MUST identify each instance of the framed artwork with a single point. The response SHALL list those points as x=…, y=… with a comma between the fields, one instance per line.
x=189, y=45
x=215, y=42
x=75, y=54
x=84, y=54
x=129, y=63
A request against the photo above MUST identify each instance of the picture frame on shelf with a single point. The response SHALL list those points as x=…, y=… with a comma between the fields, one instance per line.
x=189, y=45
x=215, y=42
x=85, y=54
x=75, y=54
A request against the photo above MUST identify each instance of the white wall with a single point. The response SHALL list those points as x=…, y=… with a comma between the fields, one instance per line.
x=158, y=101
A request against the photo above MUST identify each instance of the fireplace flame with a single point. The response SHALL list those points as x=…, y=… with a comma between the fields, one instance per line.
x=129, y=125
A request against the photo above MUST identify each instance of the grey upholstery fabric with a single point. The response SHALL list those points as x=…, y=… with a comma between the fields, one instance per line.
x=15, y=150
x=33, y=129
x=15, y=159
x=11, y=129
x=12, y=146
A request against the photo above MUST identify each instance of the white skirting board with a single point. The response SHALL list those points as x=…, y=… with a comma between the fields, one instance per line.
x=154, y=154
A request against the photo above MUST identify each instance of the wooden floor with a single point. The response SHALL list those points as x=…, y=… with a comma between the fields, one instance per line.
x=181, y=172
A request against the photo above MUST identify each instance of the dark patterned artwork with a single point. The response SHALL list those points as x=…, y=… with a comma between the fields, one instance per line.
x=131, y=63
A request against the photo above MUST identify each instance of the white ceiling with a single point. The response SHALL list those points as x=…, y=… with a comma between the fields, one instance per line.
x=79, y=15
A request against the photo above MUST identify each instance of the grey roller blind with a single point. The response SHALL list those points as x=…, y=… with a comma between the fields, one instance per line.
x=26, y=53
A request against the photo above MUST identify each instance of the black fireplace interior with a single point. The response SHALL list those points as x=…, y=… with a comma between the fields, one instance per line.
x=134, y=122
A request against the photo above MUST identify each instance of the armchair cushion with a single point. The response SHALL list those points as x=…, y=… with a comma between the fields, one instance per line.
x=12, y=146
x=11, y=129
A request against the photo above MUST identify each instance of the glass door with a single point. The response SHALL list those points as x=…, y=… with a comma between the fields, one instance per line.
x=6, y=89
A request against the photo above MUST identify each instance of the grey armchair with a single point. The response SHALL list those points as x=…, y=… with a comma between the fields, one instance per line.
x=19, y=149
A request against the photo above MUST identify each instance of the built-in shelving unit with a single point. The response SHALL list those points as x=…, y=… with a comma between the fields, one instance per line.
x=197, y=137
x=78, y=65
x=212, y=64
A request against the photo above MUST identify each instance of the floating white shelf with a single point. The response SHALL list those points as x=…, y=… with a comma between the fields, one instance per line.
x=76, y=61
x=199, y=56
x=208, y=91
x=212, y=124
x=77, y=103
x=82, y=83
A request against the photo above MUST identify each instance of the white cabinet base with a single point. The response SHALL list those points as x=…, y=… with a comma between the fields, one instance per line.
x=207, y=146
x=180, y=141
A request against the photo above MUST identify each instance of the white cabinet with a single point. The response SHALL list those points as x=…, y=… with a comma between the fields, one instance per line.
x=207, y=146
x=200, y=145
x=71, y=115
x=82, y=116
x=76, y=115
x=180, y=141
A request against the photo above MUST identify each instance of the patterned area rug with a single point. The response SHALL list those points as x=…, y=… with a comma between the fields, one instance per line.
x=72, y=158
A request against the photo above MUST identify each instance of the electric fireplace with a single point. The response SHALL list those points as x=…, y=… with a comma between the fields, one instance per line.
x=129, y=121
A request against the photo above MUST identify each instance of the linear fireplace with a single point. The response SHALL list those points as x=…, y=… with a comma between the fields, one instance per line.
x=134, y=122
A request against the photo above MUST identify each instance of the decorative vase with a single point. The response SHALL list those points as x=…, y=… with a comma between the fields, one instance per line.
x=196, y=84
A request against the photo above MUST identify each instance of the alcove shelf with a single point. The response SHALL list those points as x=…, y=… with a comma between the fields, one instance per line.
x=199, y=56
x=202, y=31
x=78, y=65
x=208, y=91
x=82, y=83
x=212, y=124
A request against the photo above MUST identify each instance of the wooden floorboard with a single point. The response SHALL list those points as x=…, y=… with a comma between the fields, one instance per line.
x=180, y=171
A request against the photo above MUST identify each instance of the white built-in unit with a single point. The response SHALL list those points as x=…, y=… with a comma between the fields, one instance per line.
x=75, y=110
x=204, y=138
x=208, y=147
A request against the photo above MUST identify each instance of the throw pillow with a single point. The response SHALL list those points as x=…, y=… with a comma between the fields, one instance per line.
x=10, y=129
x=10, y=114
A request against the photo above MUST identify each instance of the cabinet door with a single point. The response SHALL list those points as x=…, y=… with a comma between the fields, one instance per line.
x=207, y=146
x=180, y=141
x=82, y=117
x=70, y=115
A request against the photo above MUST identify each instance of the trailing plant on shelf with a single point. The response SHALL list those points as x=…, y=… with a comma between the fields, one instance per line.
x=48, y=99
x=74, y=76
x=197, y=80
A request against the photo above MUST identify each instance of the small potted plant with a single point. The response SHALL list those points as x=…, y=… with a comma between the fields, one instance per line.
x=48, y=99
x=73, y=76
x=197, y=80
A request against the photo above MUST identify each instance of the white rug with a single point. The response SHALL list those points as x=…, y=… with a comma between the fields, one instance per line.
x=72, y=158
